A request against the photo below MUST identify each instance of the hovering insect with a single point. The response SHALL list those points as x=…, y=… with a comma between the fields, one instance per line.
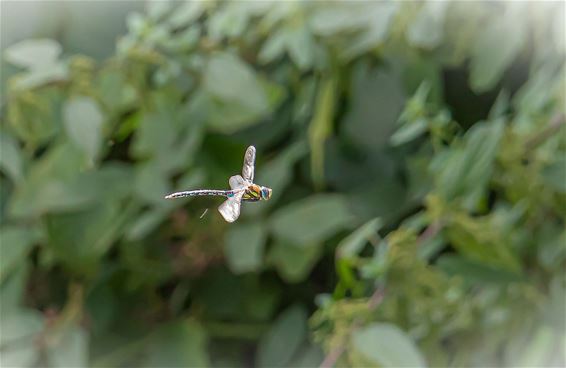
x=242, y=188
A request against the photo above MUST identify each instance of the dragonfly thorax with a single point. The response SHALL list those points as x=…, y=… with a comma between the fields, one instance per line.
x=256, y=192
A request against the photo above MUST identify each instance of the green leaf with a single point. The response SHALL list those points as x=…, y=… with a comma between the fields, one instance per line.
x=387, y=345
x=226, y=76
x=149, y=220
x=378, y=21
x=377, y=102
x=538, y=90
x=366, y=23
x=311, y=356
x=33, y=54
x=496, y=46
x=262, y=303
x=158, y=9
x=13, y=289
x=102, y=305
x=542, y=345
x=501, y=105
x=301, y=47
x=244, y=247
x=80, y=239
x=151, y=183
x=228, y=117
x=57, y=184
x=312, y=219
x=409, y=132
x=465, y=171
x=34, y=121
x=83, y=124
x=154, y=135
x=427, y=30
x=223, y=295
x=10, y=157
x=274, y=47
x=476, y=272
x=234, y=111
x=554, y=175
x=296, y=40
x=294, y=263
x=41, y=76
x=183, y=42
x=229, y=21
x=284, y=338
x=385, y=198
x=20, y=328
x=45, y=187
x=178, y=344
x=337, y=17
x=187, y=13
x=114, y=90
x=146, y=222
x=553, y=307
x=345, y=17
x=479, y=240
x=354, y=243
x=71, y=349
x=15, y=244
x=551, y=252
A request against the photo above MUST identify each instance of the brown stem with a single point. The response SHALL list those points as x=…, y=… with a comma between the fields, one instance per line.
x=553, y=127
x=333, y=356
x=429, y=232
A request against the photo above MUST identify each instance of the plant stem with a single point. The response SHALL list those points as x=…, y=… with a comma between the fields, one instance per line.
x=556, y=122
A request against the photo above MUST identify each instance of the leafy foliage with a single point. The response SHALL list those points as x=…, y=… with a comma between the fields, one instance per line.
x=416, y=155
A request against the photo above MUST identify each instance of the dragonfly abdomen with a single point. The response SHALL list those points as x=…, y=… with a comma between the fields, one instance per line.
x=201, y=192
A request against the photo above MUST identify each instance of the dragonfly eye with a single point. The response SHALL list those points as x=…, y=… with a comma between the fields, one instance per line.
x=265, y=193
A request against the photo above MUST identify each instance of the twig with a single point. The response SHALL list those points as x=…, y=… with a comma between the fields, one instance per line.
x=430, y=232
x=553, y=127
x=333, y=356
x=376, y=298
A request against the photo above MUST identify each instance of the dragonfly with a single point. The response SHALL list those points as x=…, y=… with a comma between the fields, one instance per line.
x=242, y=189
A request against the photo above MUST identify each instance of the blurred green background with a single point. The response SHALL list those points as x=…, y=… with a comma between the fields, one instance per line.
x=416, y=152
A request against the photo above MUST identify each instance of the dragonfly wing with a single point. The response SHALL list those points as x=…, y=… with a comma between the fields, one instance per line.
x=237, y=182
x=249, y=161
x=230, y=209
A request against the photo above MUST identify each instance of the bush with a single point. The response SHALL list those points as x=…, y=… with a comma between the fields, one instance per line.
x=416, y=153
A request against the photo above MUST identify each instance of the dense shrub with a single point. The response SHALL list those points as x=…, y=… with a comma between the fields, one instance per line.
x=416, y=153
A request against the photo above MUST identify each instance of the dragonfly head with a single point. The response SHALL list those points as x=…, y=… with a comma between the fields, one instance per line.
x=265, y=193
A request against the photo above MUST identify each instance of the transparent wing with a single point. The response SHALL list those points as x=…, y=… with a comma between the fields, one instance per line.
x=249, y=160
x=230, y=209
x=237, y=182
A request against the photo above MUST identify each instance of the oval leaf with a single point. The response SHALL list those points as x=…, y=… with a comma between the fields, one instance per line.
x=244, y=247
x=10, y=157
x=388, y=346
x=33, y=54
x=83, y=123
x=281, y=342
x=354, y=243
x=312, y=219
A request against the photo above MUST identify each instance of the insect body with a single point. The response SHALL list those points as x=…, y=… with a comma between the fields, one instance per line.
x=242, y=188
